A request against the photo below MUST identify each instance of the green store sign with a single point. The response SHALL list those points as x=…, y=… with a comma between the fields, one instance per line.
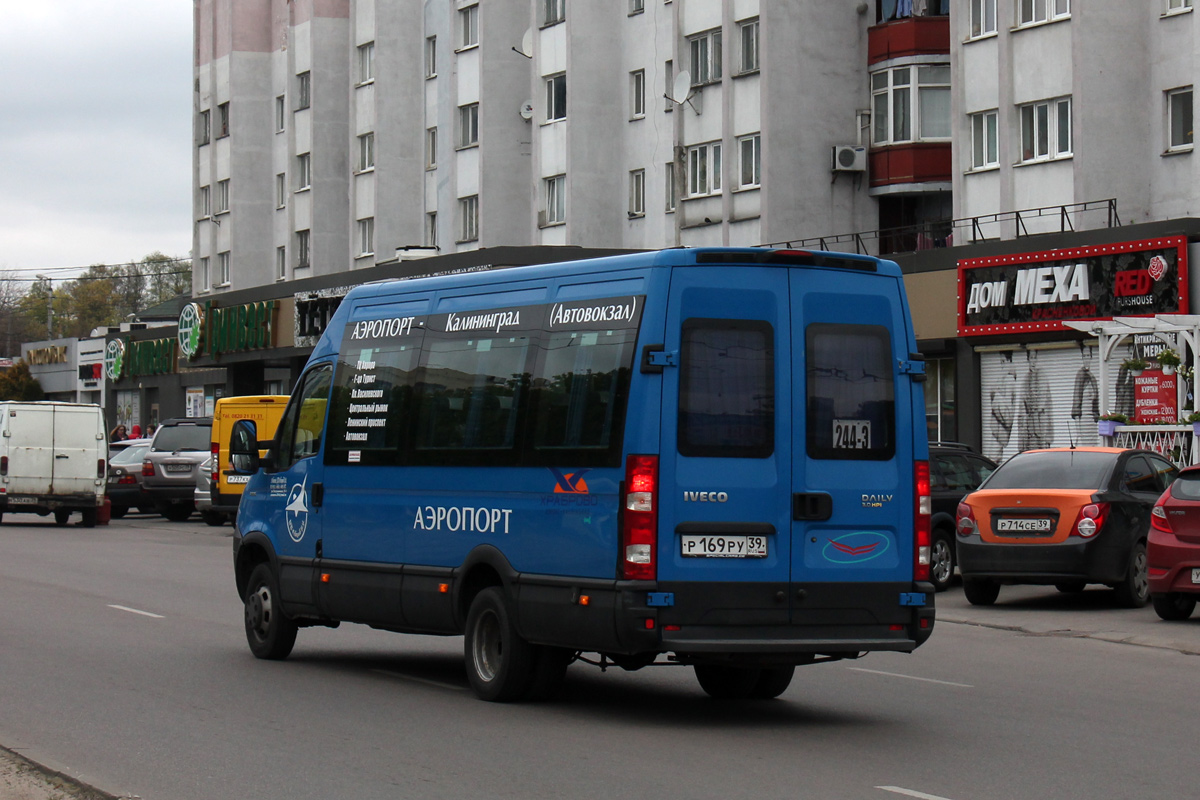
x=206, y=330
x=126, y=358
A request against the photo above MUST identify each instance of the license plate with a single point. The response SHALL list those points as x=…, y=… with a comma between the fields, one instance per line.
x=22, y=501
x=232, y=479
x=179, y=467
x=851, y=434
x=705, y=545
x=1195, y=575
x=1031, y=525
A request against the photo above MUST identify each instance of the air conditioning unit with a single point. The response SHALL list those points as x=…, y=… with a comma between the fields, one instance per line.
x=849, y=158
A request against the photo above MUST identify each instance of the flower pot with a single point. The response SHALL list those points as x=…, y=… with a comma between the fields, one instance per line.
x=1168, y=369
x=1108, y=427
x=1136, y=372
x=1196, y=428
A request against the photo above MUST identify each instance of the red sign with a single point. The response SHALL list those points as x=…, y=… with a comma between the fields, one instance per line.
x=1154, y=398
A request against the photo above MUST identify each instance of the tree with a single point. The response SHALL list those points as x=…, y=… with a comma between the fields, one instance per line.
x=16, y=383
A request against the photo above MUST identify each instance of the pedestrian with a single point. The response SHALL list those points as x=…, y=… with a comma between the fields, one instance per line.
x=118, y=434
x=150, y=429
x=135, y=432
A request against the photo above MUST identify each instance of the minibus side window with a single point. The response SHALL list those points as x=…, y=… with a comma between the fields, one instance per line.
x=851, y=392
x=303, y=422
x=370, y=420
x=727, y=389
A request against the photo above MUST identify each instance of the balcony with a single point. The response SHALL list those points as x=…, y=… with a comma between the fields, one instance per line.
x=909, y=36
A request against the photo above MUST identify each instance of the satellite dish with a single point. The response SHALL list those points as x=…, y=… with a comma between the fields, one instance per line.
x=527, y=111
x=682, y=88
x=527, y=42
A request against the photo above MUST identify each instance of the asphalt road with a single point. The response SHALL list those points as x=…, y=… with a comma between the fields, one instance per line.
x=123, y=664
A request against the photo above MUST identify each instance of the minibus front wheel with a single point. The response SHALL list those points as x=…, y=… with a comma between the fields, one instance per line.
x=500, y=664
x=269, y=632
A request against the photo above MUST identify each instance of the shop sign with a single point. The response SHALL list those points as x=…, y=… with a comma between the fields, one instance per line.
x=313, y=312
x=1035, y=291
x=208, y=330
x=126, y=358
x=114, y=359
x=54, y=354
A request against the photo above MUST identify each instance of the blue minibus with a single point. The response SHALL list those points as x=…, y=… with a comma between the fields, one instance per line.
x=711, y=457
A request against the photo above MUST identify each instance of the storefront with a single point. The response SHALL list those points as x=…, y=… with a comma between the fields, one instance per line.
x=68, y=370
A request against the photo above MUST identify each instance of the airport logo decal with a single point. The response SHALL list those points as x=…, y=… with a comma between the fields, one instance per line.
x=856, y=548
x=571, y=482
x=296, y=511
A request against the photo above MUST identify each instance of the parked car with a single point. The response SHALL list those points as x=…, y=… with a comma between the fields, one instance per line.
x=1173, y=552
x=1065, y=517
x=954, y=470
x=203, y=495
x=125, y=489
x=169, y=468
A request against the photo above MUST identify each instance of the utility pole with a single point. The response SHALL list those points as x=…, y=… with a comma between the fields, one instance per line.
x=49, y=305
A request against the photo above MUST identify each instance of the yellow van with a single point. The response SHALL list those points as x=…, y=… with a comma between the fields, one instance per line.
x=264, y=411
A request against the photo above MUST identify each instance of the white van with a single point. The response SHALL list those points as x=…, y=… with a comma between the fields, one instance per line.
x=53, y=459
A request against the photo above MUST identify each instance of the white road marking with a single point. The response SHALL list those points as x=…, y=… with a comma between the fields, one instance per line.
x=135, y=611
x=425, y=681
x=912, y=678
x=911, y=793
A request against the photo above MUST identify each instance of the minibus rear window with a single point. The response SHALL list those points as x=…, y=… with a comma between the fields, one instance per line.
x=727, y=389
x=850, y=392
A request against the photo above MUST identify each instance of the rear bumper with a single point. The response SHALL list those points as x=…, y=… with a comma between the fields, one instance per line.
x=131, y=496
x=1171, y=563
x=1099, y=560
x=184, y=493
x=41, y=503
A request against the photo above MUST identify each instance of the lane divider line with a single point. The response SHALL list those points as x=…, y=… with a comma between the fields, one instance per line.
x=136, y=611
x=415, y=679
x=911, y=793
x=912, y=678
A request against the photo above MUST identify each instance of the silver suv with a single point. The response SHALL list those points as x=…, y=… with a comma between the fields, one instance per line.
x=180, y=448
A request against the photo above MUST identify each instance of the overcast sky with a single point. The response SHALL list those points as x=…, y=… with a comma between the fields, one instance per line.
x=95, y=132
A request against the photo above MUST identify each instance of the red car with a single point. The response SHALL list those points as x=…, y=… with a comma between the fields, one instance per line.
x=1173, y=548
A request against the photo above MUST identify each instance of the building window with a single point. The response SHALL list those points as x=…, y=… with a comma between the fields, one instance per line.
x=984, y=140
x=281, y=191
x=280, y=113
x=1032, y=11
x=203, y=128
x=468, y=25
x=303, y=90
x=556, y=199
x=222, y=196
x=748, y=61
x=668, y=84
x=894, y=104
x=637, y=6
x=637, y=94
x=205, y=202
x=205, y=277
x=556, y=98
x=366, y=152
x=941, y=409
x=553, y=11
x=366, y=236
x=431, y=148
x=1178, y=5
x=431, y=237
x=670, y=187
x=223, y=268
x=468, y=125
x=302, y=255
x=704, y=169
x=280, y=263
x=222, y=120
x=366, y=62
x=749, y=161
x=431, y=57
x=983, y=17
x=468, y=213
x=303, y=171
x=637, y=193
x=706, y=57
x=1046, y=130
x=1179, y=111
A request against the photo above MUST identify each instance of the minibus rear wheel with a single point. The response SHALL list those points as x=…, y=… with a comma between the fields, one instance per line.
x=499, y=662
x=728, y=683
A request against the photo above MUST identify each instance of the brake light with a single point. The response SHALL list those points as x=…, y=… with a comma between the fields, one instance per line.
x=100, y=467
x=126, y=480
x=921, y=527
x=1158, y=516
x=966, y=525
x=639, y=522
x=147, y=469
x=3, y=465
x=216, y=462
x=1090, y=520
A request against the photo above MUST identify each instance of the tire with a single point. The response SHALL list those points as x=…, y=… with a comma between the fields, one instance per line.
x=727, y=683
x=1174, y=606
x=980, y=591
x=773, y=682
x=213, y=518
x=61, y=517
x=117, y=512
x=269, y=632
x=177, y=512
x=1134, y=591
x=89, y=517
x=1071, y=587
x=549, y=671
x=500, y=664
x=941, y=561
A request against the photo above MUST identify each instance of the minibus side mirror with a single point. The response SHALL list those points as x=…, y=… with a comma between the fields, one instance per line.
x=244, y=457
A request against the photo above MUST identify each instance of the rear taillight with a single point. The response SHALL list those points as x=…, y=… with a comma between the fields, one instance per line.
x=216, y=461
x=3, y=465
x=125, y=480
x=921, y=528
x=1090, y=520
x=639, y=524
x=100, y=465
x=966, y=525
x=147, y=469
x=1158, y=515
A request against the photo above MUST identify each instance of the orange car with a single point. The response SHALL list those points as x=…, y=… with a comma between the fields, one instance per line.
x=1065, y=517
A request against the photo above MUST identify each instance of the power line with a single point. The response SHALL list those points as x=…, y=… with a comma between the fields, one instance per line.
x=46, y=270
